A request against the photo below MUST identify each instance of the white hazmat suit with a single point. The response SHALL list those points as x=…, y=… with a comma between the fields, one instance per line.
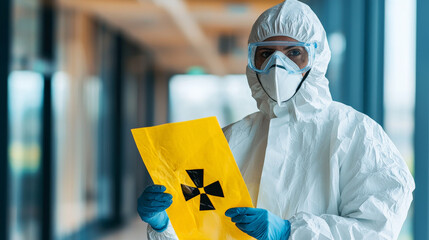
x=328, y=169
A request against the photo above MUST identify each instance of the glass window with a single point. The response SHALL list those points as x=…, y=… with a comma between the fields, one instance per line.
x=76, y=98
x=25, y=34
x=75, y=138
x=399, y=83
x=25, y=124
x=25, y=102
x=198, y=96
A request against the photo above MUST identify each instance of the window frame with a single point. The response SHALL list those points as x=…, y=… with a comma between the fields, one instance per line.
x=5, y=23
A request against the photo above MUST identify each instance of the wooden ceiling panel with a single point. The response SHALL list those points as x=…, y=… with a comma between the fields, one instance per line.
x=237, y=7
x=130, y=7
x=234, y=1
x=158, y=38
x=182, y=33
x=144, y=25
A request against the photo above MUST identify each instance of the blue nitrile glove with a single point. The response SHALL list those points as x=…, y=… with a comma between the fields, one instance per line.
x=259, y=223
x=151, y=207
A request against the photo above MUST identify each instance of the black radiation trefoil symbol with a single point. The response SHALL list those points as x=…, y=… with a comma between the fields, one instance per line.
x=213, y=189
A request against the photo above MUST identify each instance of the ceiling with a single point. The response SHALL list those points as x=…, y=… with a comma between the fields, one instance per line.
x=211, y=34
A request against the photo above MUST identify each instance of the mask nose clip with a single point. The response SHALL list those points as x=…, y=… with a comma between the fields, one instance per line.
x=280, y=60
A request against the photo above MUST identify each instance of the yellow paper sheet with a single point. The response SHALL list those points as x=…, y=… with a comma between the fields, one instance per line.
x=195, y=155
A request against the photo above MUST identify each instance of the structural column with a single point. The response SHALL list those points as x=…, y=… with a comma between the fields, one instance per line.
x=362, y=81
x=46, y=54
x=5, y=23
x=373, y=90
x=421, y=137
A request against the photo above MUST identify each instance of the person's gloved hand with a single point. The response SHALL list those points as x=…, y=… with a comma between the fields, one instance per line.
x=151, y=207
x=259, y=223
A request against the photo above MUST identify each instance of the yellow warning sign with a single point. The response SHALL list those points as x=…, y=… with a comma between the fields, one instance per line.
x=193, y=160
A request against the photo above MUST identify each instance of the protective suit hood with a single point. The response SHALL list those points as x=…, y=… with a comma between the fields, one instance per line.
x=296, y=20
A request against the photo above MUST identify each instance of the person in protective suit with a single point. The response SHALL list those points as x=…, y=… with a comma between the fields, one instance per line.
x=315, y=168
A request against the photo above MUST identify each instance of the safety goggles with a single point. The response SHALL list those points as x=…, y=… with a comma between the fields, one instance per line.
x=296, y=57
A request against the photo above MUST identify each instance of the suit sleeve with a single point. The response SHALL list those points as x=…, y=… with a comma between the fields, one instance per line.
x=168, y=234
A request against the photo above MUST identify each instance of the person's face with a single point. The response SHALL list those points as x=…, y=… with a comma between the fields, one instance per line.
x=296, y=53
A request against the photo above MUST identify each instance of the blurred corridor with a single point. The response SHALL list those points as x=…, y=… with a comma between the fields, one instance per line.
x=77, y=75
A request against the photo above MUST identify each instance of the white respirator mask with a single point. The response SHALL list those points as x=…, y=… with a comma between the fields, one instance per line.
x=279, y=83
